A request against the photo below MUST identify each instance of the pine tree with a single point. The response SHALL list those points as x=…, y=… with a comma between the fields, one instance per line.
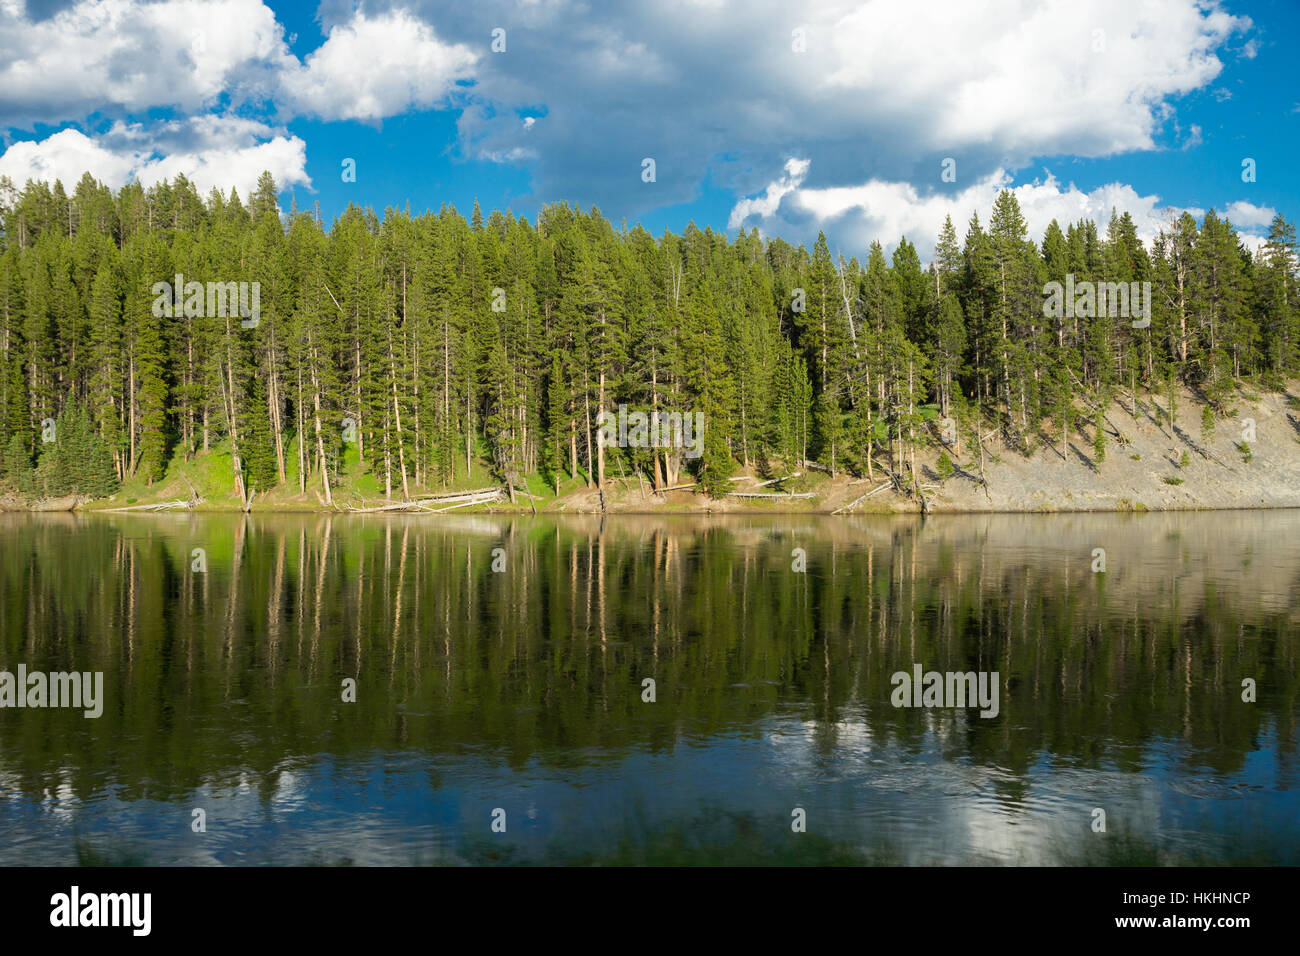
x=443, y=346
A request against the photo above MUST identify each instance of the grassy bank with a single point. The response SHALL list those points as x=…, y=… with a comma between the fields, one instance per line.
x=1150, y=457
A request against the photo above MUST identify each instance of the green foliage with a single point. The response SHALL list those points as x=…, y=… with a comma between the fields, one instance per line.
x=716, y=463
x=945, y=466
x=15, y=467
x=486, y=349
x=76, y=461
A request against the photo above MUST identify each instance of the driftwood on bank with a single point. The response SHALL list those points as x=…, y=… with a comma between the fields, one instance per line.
x=861, y=498
x=463, y=504
x=443, y=495
x=162, y=506
x=769, y=494
x=458, y=499
x=395, y=506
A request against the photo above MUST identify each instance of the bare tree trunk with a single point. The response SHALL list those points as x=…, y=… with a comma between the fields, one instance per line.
x=302, y=441
x=232, y=421
x=361, y=446
x=586, y=410
x=130, y=378
x=274, y=406
x=600, y=445
x=320, y=439
x=397, y=414
x=573, y=448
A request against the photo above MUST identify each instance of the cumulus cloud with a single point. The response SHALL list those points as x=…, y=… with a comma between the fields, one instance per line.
x=372, y=67
x=1036, y=78
x=889, y=210
x=870, y=99
x=65, y=156
x=721, y=90
x=222, y=152
x=102, y=55
x=126, y=57
x=766, y=205
x=1248, y=214
x=212, y=151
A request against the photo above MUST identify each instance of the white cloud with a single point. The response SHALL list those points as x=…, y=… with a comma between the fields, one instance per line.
x=65, y=156
x=767, y=204
x=374, y=67
x=102, y=55
x=99, y=55
x=888, y=211
x=1248, y=214
x=212, y=151
x=884, y=88
x=235, y=165
x=707, y=88
x=106, y=56
x=1035, y=78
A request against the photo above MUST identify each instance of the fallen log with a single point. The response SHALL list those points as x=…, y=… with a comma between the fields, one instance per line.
x=156, y=506
x=463, y=504
x=861, y=498
x=768, y=494
x=422, y=504
x=395, y=506
x=457, y=494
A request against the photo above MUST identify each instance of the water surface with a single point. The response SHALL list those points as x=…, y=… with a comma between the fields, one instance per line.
x=522, y=689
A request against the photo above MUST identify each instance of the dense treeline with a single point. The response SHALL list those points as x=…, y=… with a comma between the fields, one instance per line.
x=432, y=342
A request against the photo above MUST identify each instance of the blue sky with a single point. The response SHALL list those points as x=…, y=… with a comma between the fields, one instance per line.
x=790, y=117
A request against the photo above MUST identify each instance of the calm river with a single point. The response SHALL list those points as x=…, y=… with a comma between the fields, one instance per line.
x=370, y=690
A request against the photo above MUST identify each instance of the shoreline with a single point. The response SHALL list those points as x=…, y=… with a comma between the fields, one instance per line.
x=1143, y=460
x=698, y=511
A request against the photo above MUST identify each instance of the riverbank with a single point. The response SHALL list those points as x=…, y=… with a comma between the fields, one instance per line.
x=1251, y=460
